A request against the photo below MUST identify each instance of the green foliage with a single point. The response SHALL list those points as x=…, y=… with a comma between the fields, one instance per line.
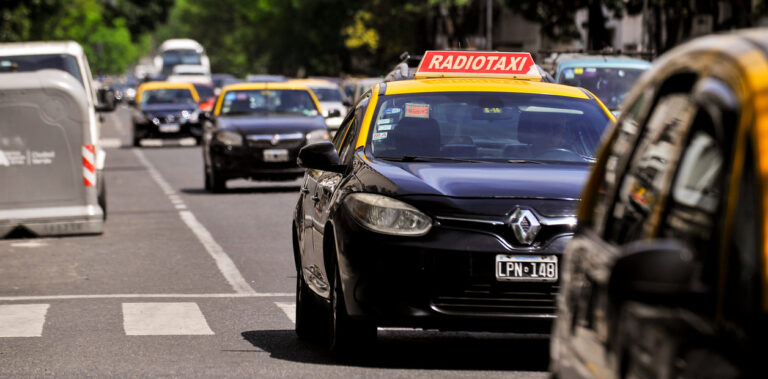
x=114, y=33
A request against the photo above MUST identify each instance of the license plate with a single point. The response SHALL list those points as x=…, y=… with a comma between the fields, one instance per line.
x=169, y=128
x=276, y=155
x=526, y=268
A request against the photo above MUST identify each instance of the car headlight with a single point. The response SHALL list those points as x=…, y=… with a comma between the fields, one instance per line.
x=386, y=215
x=190, y=116
x=229, y=138
x=317, y=136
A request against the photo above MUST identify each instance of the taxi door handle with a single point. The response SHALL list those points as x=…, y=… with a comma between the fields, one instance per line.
x=304, y=190
x=315, y=198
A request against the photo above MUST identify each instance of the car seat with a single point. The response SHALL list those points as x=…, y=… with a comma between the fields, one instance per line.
x=417, y=137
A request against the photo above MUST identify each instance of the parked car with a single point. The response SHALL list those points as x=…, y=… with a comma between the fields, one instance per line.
x=666, y=275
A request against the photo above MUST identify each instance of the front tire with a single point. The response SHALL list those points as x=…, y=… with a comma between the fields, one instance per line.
x=214, y=183
x=348, y=337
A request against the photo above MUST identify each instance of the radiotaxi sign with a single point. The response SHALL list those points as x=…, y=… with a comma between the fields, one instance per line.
x=477, y=64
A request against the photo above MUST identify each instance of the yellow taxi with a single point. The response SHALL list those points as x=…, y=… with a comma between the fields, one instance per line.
x=444, y=201
x=256, y=131
x=667, y=275
x=166, y=110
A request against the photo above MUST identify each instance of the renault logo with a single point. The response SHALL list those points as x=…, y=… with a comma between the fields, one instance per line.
x=525, y=225
x=275, y=139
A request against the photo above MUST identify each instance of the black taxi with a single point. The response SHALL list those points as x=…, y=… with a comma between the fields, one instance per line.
x=666, y=276
x=444, y=201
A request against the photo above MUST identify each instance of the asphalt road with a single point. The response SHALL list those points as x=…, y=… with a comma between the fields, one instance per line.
x=184, y=283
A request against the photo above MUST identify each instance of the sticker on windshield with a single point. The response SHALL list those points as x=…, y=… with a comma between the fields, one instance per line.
x=579, y=70
x=242, y=96
x=417, y=110
x=230, y=96
x=492, y=110
x=569, y=74
x=379, y=136
x=384, y=127
x=392, y=111
x=384, y=121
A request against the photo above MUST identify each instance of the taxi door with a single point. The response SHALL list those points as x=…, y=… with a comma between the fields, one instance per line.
x=326, y=184
x=663, y=176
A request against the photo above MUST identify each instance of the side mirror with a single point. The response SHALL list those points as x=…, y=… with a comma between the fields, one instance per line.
x=333, y=113
x=320, y=156
x=106, y=99
x=654, y=272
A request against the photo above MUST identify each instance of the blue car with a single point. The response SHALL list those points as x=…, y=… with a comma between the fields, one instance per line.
x=609, y=78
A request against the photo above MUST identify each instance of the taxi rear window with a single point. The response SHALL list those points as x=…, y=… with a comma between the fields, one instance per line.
x=167, y=96
x=487, y=126
x=268, y=101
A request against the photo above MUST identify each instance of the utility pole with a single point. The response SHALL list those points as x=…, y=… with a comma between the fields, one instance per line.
x=489, y=25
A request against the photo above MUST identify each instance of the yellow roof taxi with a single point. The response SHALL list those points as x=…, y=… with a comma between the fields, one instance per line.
x=442, y=199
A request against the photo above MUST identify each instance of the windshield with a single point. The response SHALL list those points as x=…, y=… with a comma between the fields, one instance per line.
x=175, y=57
x=327, y=94
x=167, y=96
x=204, y=91
x=26, y=63
x=503, y=127
x=268, y=101
x=610, y=84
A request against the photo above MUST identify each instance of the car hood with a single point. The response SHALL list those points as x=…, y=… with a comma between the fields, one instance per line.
x=248, y=124
x=481, y=180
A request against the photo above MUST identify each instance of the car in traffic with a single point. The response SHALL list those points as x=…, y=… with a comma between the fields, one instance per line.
x=666, y=274
x=207, y=96
x=331, y=100
x=608, y=77
x=166, y=110
x=356, y=87
x=67, y=56
x=443, y=202
x=256, y=131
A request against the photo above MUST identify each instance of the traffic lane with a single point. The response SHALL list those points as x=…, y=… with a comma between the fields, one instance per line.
x=250, y=337
x=145, y=248
x=251, y=221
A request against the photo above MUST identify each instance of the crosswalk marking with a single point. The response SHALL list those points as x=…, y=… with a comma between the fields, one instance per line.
x=289, y=309
x=22, y=320
x=156, y=319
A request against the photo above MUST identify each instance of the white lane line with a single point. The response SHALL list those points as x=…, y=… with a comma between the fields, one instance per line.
x=223, y=261
x=289, y=309
x=164, y=319
x=146, y=296
x=32, y=243
x=22, y=320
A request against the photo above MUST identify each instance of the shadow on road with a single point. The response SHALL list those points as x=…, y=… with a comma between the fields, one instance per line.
x=241, y=190
x=417, y=349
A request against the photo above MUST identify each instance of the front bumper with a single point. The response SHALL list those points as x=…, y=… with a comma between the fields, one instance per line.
x=233, y=162
x=151, y=130
x=443, y=280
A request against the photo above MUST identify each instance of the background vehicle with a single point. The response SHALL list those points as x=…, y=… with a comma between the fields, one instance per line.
x=257, y=130
x=355, y=87
x=180, y=52
x=47, y=156
x=68, y=57
x=259, y=78
x=666, y=274
x=431, y=190
x=166, y=110
x=331, y=100
x=608, y=77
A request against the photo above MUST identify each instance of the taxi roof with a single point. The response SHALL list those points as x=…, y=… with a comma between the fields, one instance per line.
x=323, y=83
x=149, y=86
x=482, y=85
x=264, y=85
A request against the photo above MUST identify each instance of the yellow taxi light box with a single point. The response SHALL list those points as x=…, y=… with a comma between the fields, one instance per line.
x=485, y=64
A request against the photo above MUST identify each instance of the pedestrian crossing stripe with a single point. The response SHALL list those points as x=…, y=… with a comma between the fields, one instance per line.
x=163, y=319
x=22, y=320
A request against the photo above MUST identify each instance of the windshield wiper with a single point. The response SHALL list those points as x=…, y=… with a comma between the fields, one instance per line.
x=524, y=161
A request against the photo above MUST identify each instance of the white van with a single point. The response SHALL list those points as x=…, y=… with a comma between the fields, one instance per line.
x=24, y=69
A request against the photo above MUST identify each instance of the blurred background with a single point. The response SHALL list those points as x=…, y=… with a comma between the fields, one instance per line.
x=361, y=37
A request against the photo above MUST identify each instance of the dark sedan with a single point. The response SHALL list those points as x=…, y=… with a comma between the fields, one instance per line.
x=442, y=203
x=256, y=131
x=166, y=110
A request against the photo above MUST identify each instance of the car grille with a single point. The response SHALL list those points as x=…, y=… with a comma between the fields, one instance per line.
x=275, y=141
x=466, y=283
